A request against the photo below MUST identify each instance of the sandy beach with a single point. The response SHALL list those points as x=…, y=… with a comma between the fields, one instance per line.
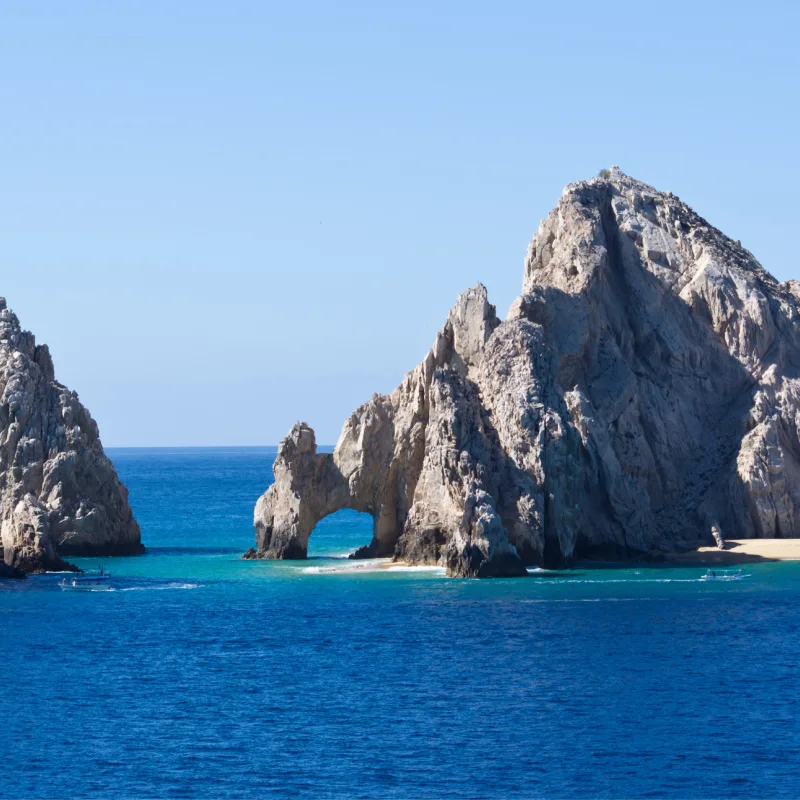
x=742, y=551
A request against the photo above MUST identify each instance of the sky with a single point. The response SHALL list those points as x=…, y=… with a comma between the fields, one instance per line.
x=225, y=217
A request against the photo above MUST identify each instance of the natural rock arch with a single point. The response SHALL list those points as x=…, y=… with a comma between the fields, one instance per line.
x=643, y=391
x=393, y=453
x=310, y=486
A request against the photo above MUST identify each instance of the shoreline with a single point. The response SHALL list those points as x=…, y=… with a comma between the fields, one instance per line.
x=737, y=551
x=740, y=551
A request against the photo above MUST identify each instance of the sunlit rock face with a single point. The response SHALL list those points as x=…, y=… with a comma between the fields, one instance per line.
x=642, y=390
x=59, y=493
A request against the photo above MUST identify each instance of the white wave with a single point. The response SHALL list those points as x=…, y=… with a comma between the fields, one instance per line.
x=543, y=571
x=344, y=554
x=415, y=568
x=588, y=600
x=369, y=565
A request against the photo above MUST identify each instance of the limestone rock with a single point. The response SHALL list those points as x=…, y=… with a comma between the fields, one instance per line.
x=59, y=493
x=642, y=392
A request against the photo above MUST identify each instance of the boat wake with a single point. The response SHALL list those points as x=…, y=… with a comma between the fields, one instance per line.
x=164, y=587
x=158, y=588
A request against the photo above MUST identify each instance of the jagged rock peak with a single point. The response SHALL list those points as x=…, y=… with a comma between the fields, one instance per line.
x=642, y=392
x=59, y=493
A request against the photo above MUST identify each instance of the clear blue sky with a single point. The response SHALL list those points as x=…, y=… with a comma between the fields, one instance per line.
x=223, y=217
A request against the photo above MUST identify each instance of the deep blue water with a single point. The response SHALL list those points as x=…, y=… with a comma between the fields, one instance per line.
x=202, y=675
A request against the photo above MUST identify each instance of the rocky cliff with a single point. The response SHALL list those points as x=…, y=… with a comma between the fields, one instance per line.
x=59, y=493
x=642, y=392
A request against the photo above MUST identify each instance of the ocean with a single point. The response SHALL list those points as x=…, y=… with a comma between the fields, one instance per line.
x=202, y=675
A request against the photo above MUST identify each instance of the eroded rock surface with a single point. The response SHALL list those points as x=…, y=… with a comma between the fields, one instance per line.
x=59, y=493
x=642, y=392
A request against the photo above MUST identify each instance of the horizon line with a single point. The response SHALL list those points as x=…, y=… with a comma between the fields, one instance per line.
x=197, y=446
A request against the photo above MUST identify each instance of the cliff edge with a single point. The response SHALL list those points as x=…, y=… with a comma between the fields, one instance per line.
x=59, y=493
x=642, y=392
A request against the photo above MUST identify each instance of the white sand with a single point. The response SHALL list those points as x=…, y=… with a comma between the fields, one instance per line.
x=743, y=551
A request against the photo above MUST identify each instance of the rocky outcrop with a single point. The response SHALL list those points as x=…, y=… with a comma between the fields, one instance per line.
x=59, y=493
x=642, y=392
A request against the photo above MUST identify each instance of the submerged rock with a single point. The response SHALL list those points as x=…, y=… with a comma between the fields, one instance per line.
x=59, y=493
x=642, y=391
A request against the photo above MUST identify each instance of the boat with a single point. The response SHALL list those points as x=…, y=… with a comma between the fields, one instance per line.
x=722, y=575
x=86, y=580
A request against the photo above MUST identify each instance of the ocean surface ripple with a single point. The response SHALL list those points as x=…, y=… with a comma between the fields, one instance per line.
x=201, y=675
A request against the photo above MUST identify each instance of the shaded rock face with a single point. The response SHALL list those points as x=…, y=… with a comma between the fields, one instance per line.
x=643, y=391
x=59, y=493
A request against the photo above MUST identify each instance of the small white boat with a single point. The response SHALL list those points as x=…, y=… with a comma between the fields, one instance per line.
x=722, y=575
x=86, y=580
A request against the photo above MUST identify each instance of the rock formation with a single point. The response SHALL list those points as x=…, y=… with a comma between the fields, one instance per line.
x=59, y=493
x=642, y=392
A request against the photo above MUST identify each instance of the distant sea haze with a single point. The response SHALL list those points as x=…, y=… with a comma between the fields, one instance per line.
x=203, y=675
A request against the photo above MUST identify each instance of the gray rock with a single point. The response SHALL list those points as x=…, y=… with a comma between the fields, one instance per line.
x=642, y=391
x=59, y=493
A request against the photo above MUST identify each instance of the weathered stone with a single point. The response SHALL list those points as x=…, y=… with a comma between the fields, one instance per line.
x=59, y=493
x=642, y=391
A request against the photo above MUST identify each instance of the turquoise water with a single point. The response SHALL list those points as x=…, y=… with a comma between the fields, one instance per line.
x=202, y=675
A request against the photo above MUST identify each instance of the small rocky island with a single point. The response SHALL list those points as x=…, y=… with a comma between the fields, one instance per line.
x=641, y=397
x=59, y=493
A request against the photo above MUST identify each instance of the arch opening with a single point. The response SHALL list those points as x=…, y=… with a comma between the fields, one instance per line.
x=340, y=534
